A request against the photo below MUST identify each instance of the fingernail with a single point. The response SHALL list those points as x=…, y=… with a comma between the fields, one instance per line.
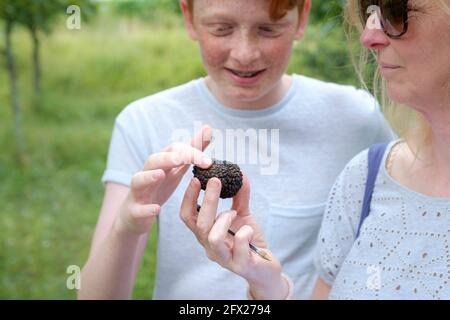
x=214, y=183
x=154, y=209
x=206, y=162
x=207, y=134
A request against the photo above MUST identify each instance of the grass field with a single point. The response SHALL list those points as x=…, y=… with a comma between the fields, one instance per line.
x=50, y=205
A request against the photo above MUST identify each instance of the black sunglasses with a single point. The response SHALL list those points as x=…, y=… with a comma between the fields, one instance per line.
x=393, y=15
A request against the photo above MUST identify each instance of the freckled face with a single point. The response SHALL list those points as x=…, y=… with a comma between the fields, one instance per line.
x=243, y=51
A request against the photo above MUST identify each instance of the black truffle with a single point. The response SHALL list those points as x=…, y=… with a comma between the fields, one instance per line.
x=230, y=176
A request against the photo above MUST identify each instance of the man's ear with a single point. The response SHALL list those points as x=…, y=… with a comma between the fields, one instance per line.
x=303, y=17
x=188, y=20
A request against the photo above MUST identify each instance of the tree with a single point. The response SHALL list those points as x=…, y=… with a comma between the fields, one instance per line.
x=39, y=17
x=10, y=13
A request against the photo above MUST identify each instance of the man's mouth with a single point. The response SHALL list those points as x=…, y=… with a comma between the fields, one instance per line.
x=245, y=74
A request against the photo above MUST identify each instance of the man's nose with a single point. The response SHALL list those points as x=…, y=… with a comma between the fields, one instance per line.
x=246, y=50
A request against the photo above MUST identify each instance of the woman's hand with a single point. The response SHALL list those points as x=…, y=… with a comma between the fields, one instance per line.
x=161, y=175
x=233, y=253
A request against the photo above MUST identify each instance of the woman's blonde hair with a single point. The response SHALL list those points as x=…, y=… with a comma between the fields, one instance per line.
x=408, y=123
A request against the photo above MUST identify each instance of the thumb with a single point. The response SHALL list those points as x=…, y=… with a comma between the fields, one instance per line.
x=241, y=201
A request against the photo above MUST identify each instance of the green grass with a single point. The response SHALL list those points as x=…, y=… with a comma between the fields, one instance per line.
x=50, y=205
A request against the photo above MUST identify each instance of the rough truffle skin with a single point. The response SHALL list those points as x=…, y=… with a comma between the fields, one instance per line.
x=230, y=176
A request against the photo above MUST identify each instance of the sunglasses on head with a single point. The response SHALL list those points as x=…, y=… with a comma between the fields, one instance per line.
x=393, y=15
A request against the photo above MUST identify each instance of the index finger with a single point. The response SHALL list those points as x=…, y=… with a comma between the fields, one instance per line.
x=208, y=211
x=188, y=210
x=179, y=155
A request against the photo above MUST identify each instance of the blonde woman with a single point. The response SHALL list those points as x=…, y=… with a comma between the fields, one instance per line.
x=399, y=249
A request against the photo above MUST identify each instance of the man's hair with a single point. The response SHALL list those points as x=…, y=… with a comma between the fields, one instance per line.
x=277, y=8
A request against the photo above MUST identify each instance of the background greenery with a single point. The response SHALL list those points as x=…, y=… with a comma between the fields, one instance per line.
x=49, y=204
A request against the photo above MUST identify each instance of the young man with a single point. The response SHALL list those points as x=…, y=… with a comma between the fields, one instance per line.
x=291, y=135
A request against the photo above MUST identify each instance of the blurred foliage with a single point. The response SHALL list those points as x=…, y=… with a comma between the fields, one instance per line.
x=50, y=207
x=327, y=11
x=145, y=8
x=41, y=14
x=37, y=16
x=323, y=54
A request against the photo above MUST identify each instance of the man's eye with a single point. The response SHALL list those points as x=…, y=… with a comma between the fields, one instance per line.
x=221, y=30
x=269, y=31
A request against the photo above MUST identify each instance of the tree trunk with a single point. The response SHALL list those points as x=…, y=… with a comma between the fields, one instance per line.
x=17, y=112
x=36, y=62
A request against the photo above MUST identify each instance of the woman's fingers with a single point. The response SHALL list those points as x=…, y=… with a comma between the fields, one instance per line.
x=207, y=213
x=232, y=252
x=217, y=238
x=188, y=210
x=210, y=232
x=241, y=248
x=241, y=201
